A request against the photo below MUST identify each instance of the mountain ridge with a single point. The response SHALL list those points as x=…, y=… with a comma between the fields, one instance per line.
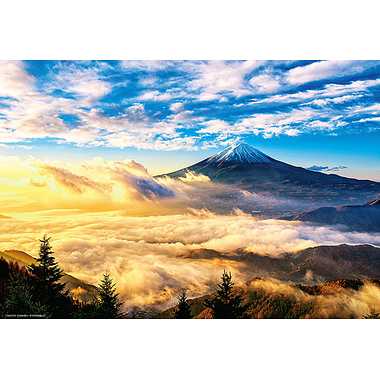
x=354, y=217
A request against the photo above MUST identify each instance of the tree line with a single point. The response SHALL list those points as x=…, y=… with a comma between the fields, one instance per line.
x=38, y=291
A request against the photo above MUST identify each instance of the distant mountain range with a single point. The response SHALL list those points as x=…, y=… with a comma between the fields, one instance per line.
x=311, y=265
x=249, y=169
x=357, y=218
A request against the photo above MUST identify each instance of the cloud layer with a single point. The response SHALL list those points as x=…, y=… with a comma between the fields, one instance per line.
x=152, y=257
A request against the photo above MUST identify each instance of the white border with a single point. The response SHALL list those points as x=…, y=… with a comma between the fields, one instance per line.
x=189, y=30
x=188, y=350
x=197, y=29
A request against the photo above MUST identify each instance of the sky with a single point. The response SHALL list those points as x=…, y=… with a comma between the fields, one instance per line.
x=323, y=115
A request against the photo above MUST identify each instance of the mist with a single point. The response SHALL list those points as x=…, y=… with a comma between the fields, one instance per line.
x=152, y=257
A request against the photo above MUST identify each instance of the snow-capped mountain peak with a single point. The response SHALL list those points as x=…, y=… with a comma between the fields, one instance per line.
x=242, y=153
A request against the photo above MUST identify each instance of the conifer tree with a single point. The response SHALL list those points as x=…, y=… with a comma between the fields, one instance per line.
x=109, y=304
x=226, y=303
x=183, y=310
x=20, y=300
x=47, y=273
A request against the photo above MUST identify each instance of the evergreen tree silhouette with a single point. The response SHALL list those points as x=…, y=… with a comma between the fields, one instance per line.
x=47, y=273
x=20, y=299
x=109, y=304
x=183, y=310
x=226, y=303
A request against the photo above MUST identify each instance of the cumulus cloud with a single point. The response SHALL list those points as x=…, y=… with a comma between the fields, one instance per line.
x=76, y=183
x=95, y=184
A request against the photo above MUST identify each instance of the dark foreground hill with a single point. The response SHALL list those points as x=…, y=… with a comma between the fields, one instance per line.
x=78, y=288
x=357, y=218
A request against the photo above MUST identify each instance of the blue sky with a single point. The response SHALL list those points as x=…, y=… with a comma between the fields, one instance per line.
x=167, y=114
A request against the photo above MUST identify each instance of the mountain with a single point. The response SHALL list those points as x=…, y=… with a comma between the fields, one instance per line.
x=240, y=153
x=80, y=289
x=356, y=218
x=252, y=170
x=314, y=264
x=341, y=261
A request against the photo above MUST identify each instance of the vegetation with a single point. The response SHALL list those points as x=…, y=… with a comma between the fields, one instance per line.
x=226, y=303
x=46, y=275
x=183, y=307
x=109, y=305
x=37, y=291
x=20, y=300
x=372, y=316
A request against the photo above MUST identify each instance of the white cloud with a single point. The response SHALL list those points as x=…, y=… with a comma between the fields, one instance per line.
x=14, y=80
x=267, y=125
x=32, y=114
x=325, y=69
x=264, y=83
x=332, y=93
x=148, y=65
x=175, y=107
x=214, y=78
x=84, y=82
x=155, y=96
x=337, y=100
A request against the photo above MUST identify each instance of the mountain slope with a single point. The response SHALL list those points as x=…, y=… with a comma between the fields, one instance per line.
x=80, y=289
x=320, y=282
x=268, y=298
x=315, y=264
x=357, y=218
x=246, y=167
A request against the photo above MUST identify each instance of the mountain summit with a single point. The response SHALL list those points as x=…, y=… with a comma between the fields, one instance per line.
x=246, y=168
x=239, y=153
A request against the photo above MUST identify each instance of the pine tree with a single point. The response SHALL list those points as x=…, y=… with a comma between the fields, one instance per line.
x=183, y=310
x=47, y=273
x=109, y=304
x=226, y=303
x=20, y=299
